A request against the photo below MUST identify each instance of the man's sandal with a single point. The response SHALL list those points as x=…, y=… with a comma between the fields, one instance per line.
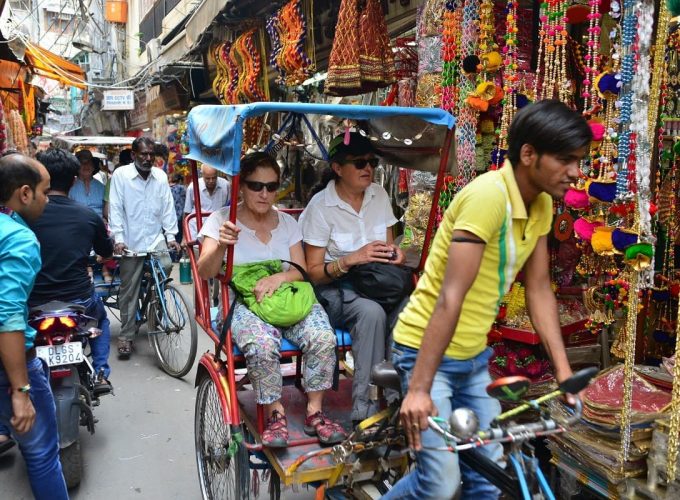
x=124, y=349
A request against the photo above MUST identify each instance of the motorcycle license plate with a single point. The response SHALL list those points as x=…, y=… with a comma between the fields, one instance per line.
x=57, y=355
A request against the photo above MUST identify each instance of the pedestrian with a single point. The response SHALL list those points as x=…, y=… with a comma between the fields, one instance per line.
x=162, y=154
x=87, y=190
x=142, y=219
x=179, y=193
x=215, y=193
x=67, y=231
x=26, y=402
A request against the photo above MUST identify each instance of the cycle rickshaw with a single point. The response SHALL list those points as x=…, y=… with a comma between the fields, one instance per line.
x=228, y=422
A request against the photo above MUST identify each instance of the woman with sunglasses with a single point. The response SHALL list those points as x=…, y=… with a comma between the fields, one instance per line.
x=348, y=223
x=262, y=233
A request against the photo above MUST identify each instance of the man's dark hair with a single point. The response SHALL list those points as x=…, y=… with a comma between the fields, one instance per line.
x=16, y=170
x=147, y=141
x=161, y=150
x=550, y=126
x=62, y=166
x=125, y=157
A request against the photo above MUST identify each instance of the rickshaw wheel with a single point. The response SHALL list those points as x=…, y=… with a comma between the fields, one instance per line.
x=223, y=469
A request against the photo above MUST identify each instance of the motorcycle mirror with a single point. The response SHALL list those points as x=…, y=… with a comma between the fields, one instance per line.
x=463, y=423
x=508, y=389
x=579, y=380
x=94, y=332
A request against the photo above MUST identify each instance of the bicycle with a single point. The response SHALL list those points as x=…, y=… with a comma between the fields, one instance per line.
x=166, y=311
x=524, y=479
x=382, y=433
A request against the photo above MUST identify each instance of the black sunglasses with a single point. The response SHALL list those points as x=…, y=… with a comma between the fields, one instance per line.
x=259, y=186
x=360, y=163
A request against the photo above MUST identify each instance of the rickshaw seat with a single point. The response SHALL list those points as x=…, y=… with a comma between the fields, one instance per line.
x=343, y=338
x=385, y=375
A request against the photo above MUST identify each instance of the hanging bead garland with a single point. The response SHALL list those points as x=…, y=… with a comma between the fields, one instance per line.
x=553, y=65
x=658, y=68
x=592, y=57
x=466, y=126
x=629, y=25
x=450, y=58
x=510, y=77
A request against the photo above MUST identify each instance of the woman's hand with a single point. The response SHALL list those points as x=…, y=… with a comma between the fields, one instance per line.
x=376, y=251
x=399, y=256
x=267, y=286
x=229, y=233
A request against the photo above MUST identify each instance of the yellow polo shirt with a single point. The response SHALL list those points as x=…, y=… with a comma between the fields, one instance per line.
x=490, y=207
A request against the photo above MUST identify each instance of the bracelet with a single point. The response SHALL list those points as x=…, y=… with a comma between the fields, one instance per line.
x=25, y=389
x=343, y=271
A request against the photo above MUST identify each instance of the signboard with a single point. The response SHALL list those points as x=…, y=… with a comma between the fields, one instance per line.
x=118, y=100
x=138, y=116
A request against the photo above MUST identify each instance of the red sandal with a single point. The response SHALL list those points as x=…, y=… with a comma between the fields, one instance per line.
x=275, y=435
x=320, y=425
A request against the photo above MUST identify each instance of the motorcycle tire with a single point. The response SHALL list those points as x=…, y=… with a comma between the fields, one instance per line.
x=72, y=464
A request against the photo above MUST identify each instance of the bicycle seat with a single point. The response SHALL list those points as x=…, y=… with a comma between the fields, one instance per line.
x=384, y=375
x=56, y=306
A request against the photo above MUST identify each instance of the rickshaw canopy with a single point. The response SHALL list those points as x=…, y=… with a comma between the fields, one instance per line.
x=215, y=132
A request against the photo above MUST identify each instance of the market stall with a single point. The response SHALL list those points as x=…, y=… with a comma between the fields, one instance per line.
x=615, y=237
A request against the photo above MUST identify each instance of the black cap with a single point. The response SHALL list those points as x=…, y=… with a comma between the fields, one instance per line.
x=358, y=146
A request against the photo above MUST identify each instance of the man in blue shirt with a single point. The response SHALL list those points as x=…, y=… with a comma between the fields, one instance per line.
x=26, y=402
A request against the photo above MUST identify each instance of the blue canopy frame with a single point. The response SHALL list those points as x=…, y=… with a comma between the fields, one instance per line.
x=215, y=132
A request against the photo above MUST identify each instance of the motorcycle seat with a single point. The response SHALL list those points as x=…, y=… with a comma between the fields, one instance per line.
x=56, y=306
x=384, y=375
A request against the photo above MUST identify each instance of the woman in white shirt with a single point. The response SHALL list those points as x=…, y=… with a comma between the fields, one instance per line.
x=263, y=233
x=346, y=224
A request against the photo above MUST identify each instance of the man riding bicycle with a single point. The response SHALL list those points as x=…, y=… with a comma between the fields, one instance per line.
x=142, y=218
x=496, y=226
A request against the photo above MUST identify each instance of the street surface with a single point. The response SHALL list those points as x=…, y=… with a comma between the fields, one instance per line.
x=143, y=447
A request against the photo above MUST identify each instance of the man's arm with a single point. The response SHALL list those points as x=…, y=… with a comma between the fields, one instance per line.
x=13, y=357
x=169, y=217
x=464, y=260
x=189, y=200
x=542, y=307
x=116, y=209
x=102, y=244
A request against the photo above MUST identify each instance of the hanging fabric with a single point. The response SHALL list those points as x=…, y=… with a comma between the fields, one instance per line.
x=361, y=59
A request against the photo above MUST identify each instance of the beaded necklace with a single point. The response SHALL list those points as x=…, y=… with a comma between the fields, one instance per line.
x=553, y=48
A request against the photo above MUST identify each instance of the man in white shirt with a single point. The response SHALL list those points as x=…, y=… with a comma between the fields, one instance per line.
x=142, y=219
x=215, y=193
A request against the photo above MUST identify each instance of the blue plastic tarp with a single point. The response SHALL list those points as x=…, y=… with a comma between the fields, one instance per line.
x=215, y=132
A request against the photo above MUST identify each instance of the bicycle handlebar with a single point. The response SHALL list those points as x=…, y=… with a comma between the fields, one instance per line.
x=512, y=433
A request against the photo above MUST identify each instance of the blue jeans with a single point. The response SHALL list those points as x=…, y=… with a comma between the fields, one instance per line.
x=40, y=445
x=100, y=346
x=457, y=383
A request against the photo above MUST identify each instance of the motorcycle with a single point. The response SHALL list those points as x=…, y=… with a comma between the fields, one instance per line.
x=63, y=331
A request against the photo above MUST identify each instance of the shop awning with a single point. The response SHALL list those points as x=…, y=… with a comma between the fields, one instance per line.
x=202, y=17
x=47, y=64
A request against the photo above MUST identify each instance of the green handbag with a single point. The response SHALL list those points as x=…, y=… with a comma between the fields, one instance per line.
x=288, y=305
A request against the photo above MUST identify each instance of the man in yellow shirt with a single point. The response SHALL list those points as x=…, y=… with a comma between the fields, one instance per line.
x=496, y=226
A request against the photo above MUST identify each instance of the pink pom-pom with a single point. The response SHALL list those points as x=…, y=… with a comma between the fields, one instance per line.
x=598, y=131
x=576, y=198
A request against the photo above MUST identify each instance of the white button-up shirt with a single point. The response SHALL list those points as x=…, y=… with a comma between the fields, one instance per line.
x=332, y=223
x=141, y=210
x=210, y=202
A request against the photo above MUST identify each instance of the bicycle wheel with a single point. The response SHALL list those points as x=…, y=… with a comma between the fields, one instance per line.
x=173, y=331
x=222, y=473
